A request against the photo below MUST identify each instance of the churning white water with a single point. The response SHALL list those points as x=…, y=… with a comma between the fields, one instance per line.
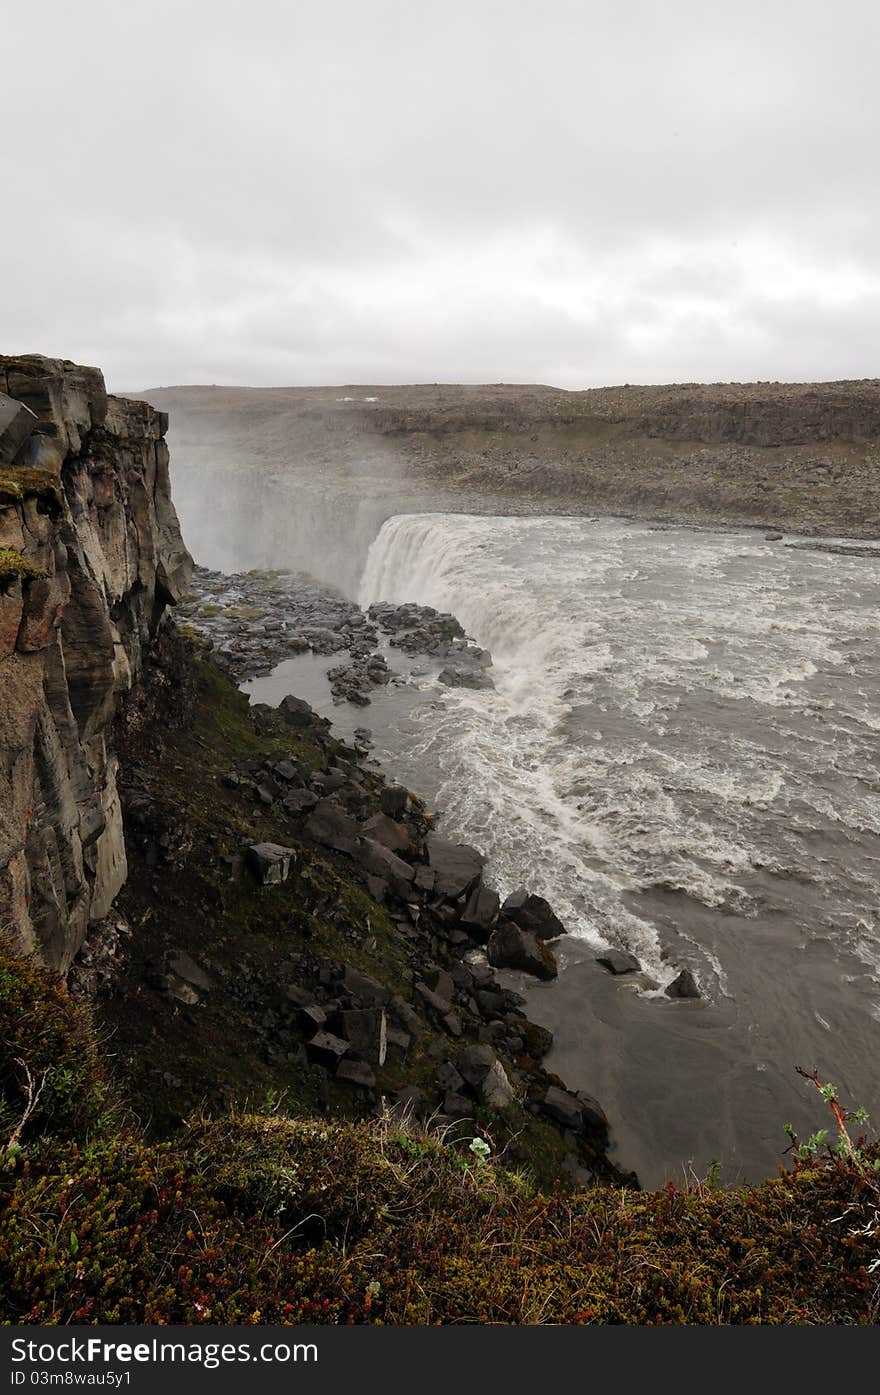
x=684, y=733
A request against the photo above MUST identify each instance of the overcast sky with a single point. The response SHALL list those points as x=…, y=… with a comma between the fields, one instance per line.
x=564, y=191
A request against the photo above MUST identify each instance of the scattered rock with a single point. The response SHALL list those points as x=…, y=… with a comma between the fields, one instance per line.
x=510, y=947
x=495, y=1088
x=330, y=826
x=366, y=1031
x=270, y=863
x=356, y=1073
x=457, y=867
x=533, y=913
x=366, y=989
x=684, y=986
x=618, y=961
x=481, y=911
x=326, y=1050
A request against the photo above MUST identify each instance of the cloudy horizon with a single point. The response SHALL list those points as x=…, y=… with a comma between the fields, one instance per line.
x=571, y=193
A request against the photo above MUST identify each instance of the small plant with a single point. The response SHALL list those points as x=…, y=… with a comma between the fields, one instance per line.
x=480, y=1149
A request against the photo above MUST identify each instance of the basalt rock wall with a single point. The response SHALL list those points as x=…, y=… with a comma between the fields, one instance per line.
x=90, y=556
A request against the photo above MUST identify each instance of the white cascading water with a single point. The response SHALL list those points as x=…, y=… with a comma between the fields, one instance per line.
x=675, y=715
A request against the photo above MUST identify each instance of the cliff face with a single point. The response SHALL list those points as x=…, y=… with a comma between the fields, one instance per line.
x=90, y=556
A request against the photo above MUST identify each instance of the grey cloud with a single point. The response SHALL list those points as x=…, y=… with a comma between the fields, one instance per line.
x=578, y=191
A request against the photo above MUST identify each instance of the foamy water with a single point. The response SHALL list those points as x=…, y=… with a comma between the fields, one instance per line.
x=684, y=731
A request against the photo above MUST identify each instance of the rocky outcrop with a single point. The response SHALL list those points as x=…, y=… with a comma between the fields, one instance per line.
x=90, y=556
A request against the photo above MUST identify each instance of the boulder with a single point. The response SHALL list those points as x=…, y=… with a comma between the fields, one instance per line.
x=366, y=1031
x=298, y=802
x=618, y=961
x=326, y=1050
x=356, y=1073
x=481, y=911
x=533, y=913
x=295, y=712
x=684, y=986
x=186, y=968
x=332, y=827
x=537, y=1040
x=510, y=947
x=393, y=801
x=366, y=989
x=474, y=1063
x=564, y=1108
x=442, y=983
x=380, y=862
x=294, y=772
x=457, y=867
x=594, y=1120
x=496, y=1090
x=465, y=676
x=270, y=863
x=387, y=831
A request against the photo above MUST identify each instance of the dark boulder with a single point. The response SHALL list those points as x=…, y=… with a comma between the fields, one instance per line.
x=297, y=713
x=387, y=831
x=270, y=863
x=533, y=913
x=298, y=802
x=481, y=911
x=364, y=988
x=393, y=801
x=356, y=1073
x=510, y=947
x=332, y=827
x=564, y=1108
x=366, y=1031
x=618, y=961
x=684, y=986
x=326, y=1050
x=380, y=862
x=457, y=867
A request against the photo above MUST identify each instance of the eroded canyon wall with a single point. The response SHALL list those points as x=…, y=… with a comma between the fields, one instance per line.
x=90, y=556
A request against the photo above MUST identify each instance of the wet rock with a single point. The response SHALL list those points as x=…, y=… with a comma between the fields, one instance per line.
x=510, y=947
x=457, y=867
x=618, y=961
x=270, y=863
x=537, y=1040
x=465, y=676
x=393, y=801
x=533, y=913
x=684, y=986
x=594, y=1120
x=412, y=1102
x=773, y=536
x=438, y=1004
x=481, y=911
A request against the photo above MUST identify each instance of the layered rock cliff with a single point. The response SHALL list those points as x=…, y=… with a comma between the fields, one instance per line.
x=90, y=556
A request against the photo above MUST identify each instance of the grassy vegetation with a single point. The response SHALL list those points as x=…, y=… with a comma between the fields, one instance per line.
x=13, y=563
x=19, y=482
x=251, y=1219
x=207, y=1181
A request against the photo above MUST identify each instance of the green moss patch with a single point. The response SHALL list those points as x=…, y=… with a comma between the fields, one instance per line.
x=14, y=563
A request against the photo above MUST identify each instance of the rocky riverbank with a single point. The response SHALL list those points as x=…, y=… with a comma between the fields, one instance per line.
x=300, y=927
x=252, y=621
